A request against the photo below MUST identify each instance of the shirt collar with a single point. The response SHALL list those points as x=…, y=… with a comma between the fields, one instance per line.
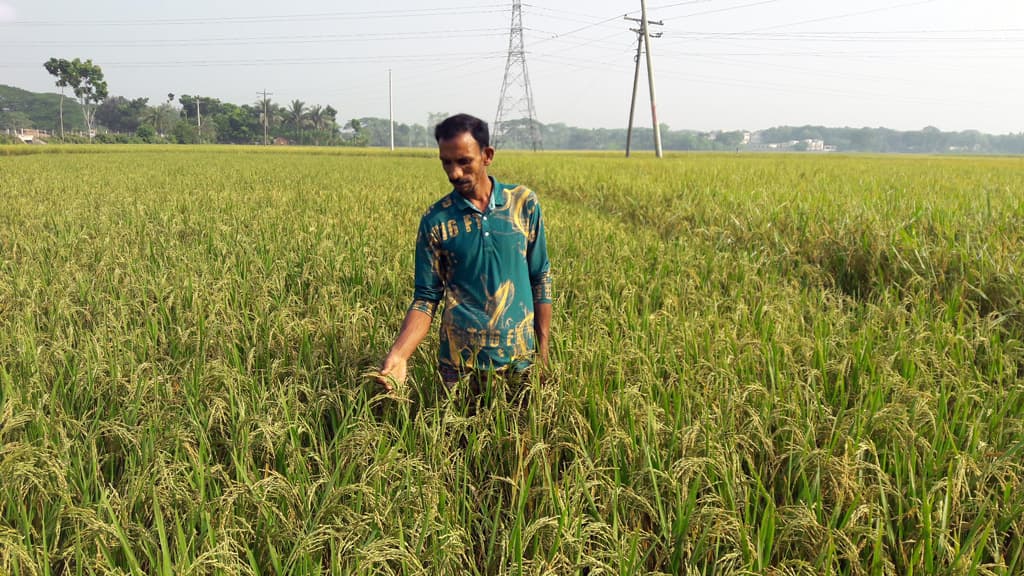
x=498, y=197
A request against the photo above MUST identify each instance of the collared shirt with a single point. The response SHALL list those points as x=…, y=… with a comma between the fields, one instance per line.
x=489, y=268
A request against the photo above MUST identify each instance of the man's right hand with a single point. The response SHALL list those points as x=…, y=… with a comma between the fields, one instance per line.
x=395, y=367
x=393, y=371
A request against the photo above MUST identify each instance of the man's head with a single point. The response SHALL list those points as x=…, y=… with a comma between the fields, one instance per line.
x=464, y=146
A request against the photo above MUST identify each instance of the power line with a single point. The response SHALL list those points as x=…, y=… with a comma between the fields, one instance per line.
x=272, y=61
x=228, y=41
x=604, y=41
x=580, y=29
x=846, y=15
x=774, y=87
x=730, y=8
x=803, y=90
x=591, y=16
x=848, y=39
x=676, y=4
x=665, y=6
x=373, y=14
x=1002, y=53
x=563, y=13
x=866, y=34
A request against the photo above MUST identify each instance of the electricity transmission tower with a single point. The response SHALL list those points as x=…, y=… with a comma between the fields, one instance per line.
x=515, y=107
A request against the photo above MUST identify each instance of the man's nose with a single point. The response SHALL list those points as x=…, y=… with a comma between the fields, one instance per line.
x=454, y=173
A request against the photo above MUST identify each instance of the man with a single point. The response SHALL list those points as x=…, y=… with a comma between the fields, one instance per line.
x=482, y=249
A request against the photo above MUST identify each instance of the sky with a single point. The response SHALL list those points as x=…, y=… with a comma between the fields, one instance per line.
x=718, y=65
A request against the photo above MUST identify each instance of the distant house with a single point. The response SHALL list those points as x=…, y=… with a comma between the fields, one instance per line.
x=281, y=141
x=812, y=145
x=805, y=145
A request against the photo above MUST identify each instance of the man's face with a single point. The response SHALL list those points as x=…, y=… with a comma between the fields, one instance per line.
x=465, y=163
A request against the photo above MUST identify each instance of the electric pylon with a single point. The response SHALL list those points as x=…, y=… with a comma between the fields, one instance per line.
x=515, y=107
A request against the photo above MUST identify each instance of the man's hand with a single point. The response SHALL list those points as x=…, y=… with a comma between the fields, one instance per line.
x=393, y=371
x=395, y=367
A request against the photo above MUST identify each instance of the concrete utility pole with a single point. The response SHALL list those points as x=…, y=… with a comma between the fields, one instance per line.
x=650, y=77
x=265, y=117
x=391, y=112
x=199, y=121
x=636, y=75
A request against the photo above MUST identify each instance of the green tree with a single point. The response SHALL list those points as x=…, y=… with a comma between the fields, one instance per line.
x=330, y=121
x=202, y=111
x=296, y=116
x=146, y=133
x=359, y=136
x=122, y=115
x=60, y=69
x=162, y=117
x=86, y=81
x=316, y=120
x=236, y=124
x=184, y=132
x=14, y=120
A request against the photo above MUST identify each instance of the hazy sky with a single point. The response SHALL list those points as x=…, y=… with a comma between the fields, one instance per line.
x=720, y=64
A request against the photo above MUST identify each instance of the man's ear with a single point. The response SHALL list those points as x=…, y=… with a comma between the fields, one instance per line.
x=488, y=153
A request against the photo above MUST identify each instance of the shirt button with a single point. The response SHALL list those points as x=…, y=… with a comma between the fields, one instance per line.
x=487, y=233
x=485, y=218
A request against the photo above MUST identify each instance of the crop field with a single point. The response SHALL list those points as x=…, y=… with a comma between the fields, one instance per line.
x=777, y=364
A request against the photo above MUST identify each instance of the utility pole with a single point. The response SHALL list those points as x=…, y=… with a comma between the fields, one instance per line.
x=650, y=77
x=391, y=112
x=199, y=121
x=636, y=75
x=265, y=117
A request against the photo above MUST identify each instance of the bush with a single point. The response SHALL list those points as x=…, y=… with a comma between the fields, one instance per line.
x=146, y=133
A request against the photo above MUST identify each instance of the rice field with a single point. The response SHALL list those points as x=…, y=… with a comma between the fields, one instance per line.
x=778, y=364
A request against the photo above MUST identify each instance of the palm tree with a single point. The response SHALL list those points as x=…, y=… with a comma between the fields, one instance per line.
x=296, y=116
x=316, y=118
x=152, y=117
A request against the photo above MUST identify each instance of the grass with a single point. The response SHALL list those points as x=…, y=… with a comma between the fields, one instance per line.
x=762, y=364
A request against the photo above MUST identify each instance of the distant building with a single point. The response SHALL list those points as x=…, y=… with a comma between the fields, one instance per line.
x=753, y=143
x=32, y=136
x=811, y=145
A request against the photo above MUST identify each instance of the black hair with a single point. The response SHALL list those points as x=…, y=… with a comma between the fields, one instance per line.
x=455, y=125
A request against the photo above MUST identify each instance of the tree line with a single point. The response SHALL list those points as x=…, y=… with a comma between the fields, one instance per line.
x=90, y=113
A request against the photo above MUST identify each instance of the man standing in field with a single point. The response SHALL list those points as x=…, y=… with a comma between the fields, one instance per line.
x=482, y=250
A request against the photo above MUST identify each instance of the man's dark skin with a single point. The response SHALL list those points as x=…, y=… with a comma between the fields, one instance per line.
x=466, y=164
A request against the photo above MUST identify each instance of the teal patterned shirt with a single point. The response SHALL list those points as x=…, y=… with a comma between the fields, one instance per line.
x=489, y=268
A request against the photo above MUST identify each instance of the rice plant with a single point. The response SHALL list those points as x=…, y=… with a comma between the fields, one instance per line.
x=778, y=364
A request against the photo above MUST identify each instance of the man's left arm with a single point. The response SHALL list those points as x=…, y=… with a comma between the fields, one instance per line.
x=540, y=279
x=542, y=328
